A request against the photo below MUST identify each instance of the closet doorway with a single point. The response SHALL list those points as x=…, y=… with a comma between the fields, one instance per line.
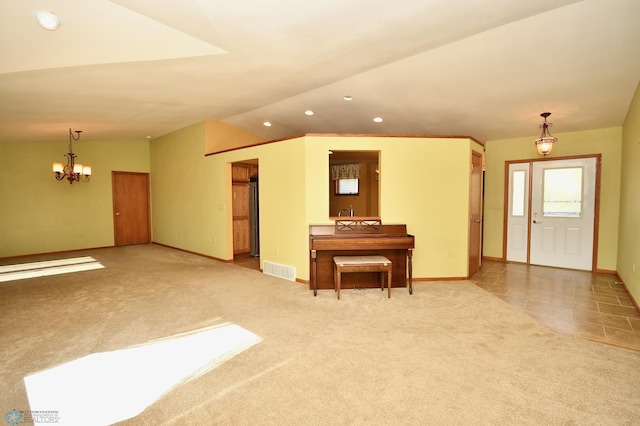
x=245, y=209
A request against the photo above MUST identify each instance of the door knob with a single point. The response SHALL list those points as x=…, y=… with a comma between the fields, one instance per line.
x=117, y=213
x=477, y=220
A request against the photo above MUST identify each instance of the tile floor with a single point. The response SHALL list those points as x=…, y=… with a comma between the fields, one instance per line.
x=247, y=261
x=574, y=303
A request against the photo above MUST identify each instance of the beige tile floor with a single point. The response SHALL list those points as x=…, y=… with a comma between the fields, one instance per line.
x=574, y=303
x=247, y=261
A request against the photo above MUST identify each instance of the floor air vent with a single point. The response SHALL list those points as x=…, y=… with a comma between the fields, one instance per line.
x=277, y=270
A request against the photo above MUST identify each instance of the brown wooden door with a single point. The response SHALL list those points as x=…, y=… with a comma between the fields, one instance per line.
x=131, y=212
x=475, y=214
x=241, y=216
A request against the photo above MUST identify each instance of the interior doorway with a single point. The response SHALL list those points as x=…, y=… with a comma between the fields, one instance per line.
x=475, y=215
x=551, y=212
x=245, y=213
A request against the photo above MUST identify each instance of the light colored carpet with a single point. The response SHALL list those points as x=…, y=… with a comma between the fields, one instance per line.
x=448, y=354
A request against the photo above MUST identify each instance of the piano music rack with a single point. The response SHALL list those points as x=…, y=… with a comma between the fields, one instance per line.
x=359, y=226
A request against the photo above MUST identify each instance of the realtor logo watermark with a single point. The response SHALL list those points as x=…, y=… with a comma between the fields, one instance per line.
x=14, y=417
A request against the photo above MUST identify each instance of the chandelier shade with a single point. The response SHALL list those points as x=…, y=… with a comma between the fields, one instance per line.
x=544, y=144
x=72, y=171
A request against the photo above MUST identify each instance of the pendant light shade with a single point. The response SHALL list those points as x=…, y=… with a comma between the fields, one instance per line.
x=544, y=143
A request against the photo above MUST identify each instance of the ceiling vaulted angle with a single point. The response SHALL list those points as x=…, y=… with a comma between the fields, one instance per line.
x=171, y=64
x=71, y=171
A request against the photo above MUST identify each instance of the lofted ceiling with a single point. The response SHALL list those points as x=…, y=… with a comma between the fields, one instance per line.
x=129, y=69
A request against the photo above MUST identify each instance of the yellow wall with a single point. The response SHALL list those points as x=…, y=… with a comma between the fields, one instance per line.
x=41, y=215
x=281, y=199
x=283, y=230
x=192, y=211
x=221, y=136
x=607, y=142
x=629, y=241
x=424, y=183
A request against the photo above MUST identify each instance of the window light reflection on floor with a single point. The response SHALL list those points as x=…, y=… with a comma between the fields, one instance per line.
x=22, y=271
x=108, y=387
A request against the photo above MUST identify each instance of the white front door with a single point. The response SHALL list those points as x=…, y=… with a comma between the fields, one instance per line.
x=563, y=213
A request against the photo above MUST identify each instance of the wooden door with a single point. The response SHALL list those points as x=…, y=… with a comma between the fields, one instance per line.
x=241, y=218
x=131, y=212
x=241, y=210
x=475, y=213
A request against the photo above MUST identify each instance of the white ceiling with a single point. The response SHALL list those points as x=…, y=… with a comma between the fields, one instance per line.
x=126, y=69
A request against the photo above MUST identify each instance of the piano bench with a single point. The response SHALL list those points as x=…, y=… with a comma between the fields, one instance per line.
x=346, y=264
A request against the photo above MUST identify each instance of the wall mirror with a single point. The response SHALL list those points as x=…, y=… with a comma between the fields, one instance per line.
x=353, y=183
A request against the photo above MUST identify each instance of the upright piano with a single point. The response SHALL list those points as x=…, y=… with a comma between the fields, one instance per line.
x=353, y=236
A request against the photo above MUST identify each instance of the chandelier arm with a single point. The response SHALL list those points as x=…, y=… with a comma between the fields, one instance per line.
x=548, y=132
x=545, y=127
x=73, y=138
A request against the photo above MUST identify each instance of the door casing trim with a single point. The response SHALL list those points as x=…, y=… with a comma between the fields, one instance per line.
x=596, y=213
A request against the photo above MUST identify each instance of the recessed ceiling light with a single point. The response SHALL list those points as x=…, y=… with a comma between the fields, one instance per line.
x=347, y=97
x=267, y=124
x=48, y=20
x=308, y=112
x=378, y=119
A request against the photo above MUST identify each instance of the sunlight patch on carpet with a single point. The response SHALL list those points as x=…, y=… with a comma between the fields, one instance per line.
x=22, y=271
x=108, y=387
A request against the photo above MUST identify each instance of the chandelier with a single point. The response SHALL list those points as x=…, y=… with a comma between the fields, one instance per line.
x=545, y=142
x=72, y=172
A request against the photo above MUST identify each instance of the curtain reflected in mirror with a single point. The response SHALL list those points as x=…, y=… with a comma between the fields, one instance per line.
x=353, y=183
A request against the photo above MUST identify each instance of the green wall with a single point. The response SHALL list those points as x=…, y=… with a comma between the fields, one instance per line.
x=629, y=241
x=182, y=191
x=42, y=215
x=607, y=142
